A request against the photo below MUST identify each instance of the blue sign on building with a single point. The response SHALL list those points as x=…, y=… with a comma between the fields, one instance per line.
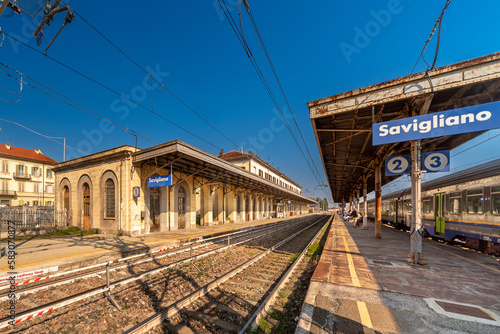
x=463, y=120
x=159, y=181
x=438, y=161
x=136, y=192
x=397, y=165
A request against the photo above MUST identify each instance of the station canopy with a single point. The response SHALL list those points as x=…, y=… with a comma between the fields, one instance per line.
x=343, y=123
x=192, y=161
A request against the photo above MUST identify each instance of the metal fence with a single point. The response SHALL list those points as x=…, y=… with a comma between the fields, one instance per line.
x=33, y=217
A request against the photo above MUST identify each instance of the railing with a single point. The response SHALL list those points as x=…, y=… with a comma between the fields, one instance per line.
x=22, y=176
x=29, y=217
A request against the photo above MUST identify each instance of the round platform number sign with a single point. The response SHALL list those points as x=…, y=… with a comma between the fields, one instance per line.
x=435, y=161
x=397, y=165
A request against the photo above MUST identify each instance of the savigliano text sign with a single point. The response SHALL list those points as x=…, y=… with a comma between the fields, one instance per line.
x=451, y=122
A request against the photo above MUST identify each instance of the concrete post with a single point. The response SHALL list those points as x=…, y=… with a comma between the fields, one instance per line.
x=206, y=217
x=415, y=255
x=250, y=207
x=220, y=206
x=378, y=198
x=172, y=207
x=231, y=206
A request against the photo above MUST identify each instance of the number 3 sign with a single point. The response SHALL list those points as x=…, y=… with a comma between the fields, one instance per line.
x=438, y=161
x=397, y=165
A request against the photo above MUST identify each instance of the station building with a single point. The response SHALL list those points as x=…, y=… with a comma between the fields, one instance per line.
x=116, y=191
x=26, y=177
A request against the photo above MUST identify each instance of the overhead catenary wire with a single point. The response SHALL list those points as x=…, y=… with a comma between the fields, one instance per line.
x=111, y=90
x=150, y=76
x=246, y=47
x=40, y=134
x=437, y=24
x=279, y=84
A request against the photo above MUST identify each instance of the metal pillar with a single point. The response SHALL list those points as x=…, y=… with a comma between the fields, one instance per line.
x=378, y=199
x=415, y=255
x=365, y=204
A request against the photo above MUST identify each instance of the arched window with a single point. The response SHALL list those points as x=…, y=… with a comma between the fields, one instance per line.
x=109, y=189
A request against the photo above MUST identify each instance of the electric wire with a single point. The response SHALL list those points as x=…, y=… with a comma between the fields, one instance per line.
x=266, y=84
x=246, y=47
x=89, y=111
x=40, y=134
x=150, y=76
x=280, y=86
x=101, y=117
x=110, y=90
x=437, y=24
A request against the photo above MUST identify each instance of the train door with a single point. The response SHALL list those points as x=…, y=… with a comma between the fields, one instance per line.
x=439, y=213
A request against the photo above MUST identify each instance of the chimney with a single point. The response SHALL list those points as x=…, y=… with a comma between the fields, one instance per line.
x=7, y=146
x=38, y=151
x=221, y=154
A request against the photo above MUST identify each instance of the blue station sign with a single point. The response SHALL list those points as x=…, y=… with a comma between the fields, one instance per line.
x=463, y=120
x=433, y=162
x=159, y=181
x=397, y=165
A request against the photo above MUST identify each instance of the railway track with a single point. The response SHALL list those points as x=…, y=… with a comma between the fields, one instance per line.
x=139, y=274
x=242, y=298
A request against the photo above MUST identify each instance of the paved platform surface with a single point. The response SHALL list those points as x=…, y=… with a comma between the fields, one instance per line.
x=364, y=285
x=77, y=251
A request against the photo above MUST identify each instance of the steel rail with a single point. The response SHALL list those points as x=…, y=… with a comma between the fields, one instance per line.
x=29, y=314
x=116, y=266
x=156, y=319
x=264, y=307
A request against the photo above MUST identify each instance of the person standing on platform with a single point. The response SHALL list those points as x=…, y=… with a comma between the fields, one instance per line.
x=354, y=216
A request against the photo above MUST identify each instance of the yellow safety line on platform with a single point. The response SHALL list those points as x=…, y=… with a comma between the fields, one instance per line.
x=363, y=310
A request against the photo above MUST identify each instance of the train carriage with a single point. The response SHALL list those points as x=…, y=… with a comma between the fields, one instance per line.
x=462, y=206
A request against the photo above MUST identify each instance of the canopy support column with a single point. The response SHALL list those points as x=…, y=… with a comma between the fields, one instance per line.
x=415, y=255
x=365, y=204
x=378, y=198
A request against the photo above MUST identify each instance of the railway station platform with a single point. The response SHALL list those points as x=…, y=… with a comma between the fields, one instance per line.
x=72, y=252
x=364, y=285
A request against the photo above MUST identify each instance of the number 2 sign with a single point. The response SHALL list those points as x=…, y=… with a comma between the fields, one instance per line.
x=397, y=165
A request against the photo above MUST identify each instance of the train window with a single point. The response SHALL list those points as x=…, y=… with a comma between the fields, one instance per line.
x=475, y=201
x=455, y=202
x=426, y=204
x=495, y=200
x=408, y=205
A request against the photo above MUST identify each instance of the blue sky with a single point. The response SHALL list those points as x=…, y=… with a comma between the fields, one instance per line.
x=192, y=50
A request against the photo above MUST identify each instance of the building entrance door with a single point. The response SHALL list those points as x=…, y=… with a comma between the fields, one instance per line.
x=181, y=208
x=66, y=203
x=86, y=207
x=154, y=210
